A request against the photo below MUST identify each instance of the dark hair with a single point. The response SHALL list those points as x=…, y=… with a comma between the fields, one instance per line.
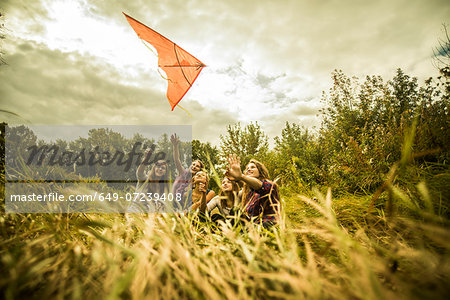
x=158, y=184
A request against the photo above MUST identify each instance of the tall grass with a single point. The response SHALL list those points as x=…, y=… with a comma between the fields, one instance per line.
x=389, y=245
x=139, y=256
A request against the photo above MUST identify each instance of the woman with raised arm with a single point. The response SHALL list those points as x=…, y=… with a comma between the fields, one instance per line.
x=152, y=184
x=184, y=178
x=259, y=195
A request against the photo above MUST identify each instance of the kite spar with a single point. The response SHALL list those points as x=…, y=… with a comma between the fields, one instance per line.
x=181, y=68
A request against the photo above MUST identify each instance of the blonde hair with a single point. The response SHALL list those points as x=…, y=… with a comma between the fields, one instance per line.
x=207, y=178
x=234, y=190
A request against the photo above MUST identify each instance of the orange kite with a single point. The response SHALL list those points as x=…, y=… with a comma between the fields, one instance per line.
x=180, y=67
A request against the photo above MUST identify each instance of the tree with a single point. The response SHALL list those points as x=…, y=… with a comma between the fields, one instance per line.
x=248, y=142
x=299, y=156
x=209, y=155
x=205, y=152
x=405, y=96
x=442, y=60
x=364, y=126
x=17, y=140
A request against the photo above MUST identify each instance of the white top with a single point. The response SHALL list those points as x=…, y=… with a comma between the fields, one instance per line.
x=215, y=202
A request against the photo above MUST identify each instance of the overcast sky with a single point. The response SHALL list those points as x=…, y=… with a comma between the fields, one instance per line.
x=79, y=62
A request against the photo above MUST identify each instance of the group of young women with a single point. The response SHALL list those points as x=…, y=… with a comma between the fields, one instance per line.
x=248, y=195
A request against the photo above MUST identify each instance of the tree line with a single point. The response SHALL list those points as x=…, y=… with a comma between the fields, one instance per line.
x=364, y=131
x=366, y=126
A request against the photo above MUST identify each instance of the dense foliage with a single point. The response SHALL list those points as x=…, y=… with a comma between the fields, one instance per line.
x=374, y=134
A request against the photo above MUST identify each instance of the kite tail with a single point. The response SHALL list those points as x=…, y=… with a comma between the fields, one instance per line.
x=184, y=110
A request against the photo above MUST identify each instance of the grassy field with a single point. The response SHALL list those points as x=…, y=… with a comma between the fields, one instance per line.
x=324, y=248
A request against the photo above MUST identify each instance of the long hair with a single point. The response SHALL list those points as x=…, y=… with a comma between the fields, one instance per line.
x=202, y=165
x=158, y=184
x=234, y=190
x=263, y=175
x=207, y=178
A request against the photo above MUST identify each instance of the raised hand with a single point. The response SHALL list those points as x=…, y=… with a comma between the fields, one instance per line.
x=145, y=159
x=147, y=153
x=202, y=187
x=234, y=167
x=174, y=139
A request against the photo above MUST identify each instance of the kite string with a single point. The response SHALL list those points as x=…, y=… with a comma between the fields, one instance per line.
x=159, y=72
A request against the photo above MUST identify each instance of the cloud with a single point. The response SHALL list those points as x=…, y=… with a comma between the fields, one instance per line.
x=24, y=13
x=268, y=61
x=52, y=87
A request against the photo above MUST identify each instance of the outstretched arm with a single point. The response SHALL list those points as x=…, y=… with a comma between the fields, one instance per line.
x=176, y=153
x=234, y=171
